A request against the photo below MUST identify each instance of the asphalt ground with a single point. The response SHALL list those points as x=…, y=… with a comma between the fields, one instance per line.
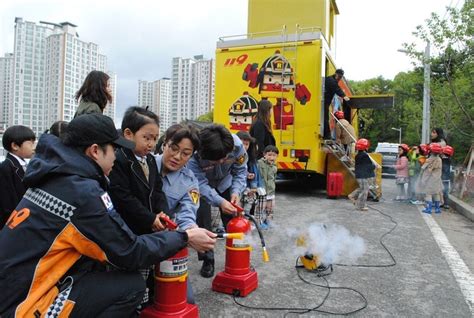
x=420, y=284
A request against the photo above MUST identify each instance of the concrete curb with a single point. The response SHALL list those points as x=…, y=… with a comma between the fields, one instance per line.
x=461, y=207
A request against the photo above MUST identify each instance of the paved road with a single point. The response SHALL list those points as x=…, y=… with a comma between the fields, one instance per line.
x=432, y=276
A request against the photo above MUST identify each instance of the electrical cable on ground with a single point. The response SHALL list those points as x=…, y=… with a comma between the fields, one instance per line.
x=394, y=261
x=321, y=273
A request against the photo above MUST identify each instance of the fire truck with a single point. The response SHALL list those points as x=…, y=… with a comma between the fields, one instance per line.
x=284, y=57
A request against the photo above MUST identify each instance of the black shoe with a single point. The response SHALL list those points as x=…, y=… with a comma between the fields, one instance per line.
x=207, y=269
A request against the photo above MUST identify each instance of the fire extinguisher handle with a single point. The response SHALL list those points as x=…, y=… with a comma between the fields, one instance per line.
x=239, y=208
x=169, y=224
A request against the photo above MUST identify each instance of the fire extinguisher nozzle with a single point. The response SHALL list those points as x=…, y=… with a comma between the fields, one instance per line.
x=237, y=236
x=265, y=256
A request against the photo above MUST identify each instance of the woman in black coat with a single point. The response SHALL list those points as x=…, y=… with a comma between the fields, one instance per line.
x=261, y=129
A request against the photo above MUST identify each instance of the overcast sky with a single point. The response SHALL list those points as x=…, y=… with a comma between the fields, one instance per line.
x=141, y=37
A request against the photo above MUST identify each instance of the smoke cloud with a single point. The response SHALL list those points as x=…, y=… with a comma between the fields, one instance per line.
x=332, y=243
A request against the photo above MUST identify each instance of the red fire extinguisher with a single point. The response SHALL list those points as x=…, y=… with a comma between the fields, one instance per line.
x=238, y=278
x=171, y=286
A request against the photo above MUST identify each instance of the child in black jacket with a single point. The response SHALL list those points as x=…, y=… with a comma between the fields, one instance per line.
x=135, y=184
x=364, y=170
x=19, y=142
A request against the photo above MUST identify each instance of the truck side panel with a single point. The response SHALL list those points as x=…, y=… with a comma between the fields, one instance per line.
x=245, y=75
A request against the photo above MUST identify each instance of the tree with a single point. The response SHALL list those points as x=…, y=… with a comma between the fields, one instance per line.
x=207, y=117
x=452, y=98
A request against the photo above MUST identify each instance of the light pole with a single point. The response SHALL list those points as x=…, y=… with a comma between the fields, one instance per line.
x=399, y=134
x=425, y=124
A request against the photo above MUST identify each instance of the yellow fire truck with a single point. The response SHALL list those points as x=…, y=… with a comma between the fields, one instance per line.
x=286, y=66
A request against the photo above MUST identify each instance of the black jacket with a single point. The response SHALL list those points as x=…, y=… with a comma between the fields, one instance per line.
x=262, y=135
x=11, y=187
x=364, y=167
x=136, y=199
x=65, y=216
x=331, y=87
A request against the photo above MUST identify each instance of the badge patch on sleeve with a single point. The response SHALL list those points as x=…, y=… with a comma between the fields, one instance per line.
x=107, y=202
x=241, y=159
x=194, y=194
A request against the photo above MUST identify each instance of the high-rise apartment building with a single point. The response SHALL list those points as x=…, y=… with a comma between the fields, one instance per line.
x=157, y=96
x=6, y=88
x=192, y=87
x=50, y=64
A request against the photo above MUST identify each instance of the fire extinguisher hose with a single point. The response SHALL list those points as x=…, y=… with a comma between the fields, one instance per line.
x=265, y=255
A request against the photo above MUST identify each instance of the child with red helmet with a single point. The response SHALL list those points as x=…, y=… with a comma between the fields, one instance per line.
x=401, y=166
x=430, y=179
x=364, y=171
x=344, y=132
x=448, y=152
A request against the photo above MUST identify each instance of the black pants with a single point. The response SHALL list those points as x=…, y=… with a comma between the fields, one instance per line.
x=204, y=220
x=327, y=131
x=107, y=294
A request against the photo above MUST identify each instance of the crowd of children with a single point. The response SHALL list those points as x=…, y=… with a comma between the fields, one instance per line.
x=423, y=175
x=426, y=171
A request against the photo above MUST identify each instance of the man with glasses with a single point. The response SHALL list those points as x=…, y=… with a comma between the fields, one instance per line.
x=220, y=166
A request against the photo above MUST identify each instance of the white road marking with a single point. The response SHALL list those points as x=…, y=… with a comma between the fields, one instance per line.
x=459, y=269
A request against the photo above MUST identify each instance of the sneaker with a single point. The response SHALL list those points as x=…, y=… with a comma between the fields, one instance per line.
x=263, y=226
x=269, y=224
x=364, y=209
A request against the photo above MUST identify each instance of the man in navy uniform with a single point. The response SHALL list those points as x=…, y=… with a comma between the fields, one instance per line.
x=220, y=166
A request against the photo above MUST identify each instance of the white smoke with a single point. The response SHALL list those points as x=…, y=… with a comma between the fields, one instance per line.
x=332, y=243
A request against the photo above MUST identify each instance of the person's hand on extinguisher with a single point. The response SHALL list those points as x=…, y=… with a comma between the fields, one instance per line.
x=201, y=239
x=227, y=206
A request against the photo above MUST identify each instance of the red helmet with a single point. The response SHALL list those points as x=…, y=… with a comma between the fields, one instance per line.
x=339, y=114
x=404, y=147
x=448, y=150
x=425, y=149
x=362, y=144
x=436, y=148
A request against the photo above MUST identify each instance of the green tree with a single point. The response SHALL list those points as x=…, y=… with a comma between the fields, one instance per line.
x=452, y=99
x=207, y=117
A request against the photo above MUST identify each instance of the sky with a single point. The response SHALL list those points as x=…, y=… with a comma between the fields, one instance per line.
x=141, y=37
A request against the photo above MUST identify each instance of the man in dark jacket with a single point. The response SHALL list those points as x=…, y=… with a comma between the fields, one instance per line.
x=331, y=88
x=65, y=229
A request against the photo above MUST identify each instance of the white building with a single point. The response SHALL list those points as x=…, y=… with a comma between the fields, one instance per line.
x=50, y=65
x=192, y=87
x=6, y=88
x=157, y=95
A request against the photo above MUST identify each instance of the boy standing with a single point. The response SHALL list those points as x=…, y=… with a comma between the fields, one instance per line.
x=268, y=170
x=364, y=171
x=19, y=142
